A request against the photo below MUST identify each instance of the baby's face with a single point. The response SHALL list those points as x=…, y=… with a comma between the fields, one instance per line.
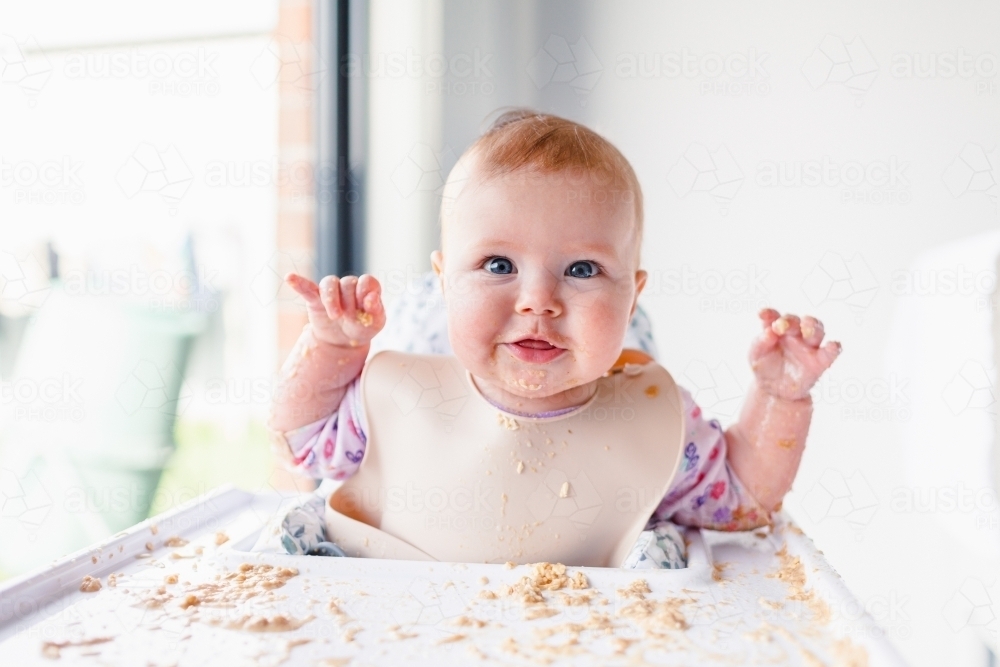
x=540, y=283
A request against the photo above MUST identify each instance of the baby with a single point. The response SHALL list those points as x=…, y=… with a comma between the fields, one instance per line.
x=541, y=230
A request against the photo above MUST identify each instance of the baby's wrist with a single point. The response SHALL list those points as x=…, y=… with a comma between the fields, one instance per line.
x=776, y=397
x=342, y=343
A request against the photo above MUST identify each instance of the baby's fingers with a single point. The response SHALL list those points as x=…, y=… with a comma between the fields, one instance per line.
x=812, y=331
x=768, y=316
x=330, y=290
x=763, y=344
x=369, y=294
x=786, y=325
x=829, y=353
x=304, y=287
x=348, y=296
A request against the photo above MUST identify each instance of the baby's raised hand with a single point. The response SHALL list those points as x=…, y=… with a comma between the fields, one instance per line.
x=342, y=311
x=787, y=358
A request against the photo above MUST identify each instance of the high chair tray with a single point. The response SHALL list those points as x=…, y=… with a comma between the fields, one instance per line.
x=182, y=589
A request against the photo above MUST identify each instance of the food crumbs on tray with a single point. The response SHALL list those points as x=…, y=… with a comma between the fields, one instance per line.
x=51, y=649
x=509, y=565
x=483, y=581
x=503, y=503
x=153, y=529
x=112, y=580
x=769, y=604
x=564, y=490
x=175, y=541
x=221, y=538
x=277, y=623
x=90, y=584
x=793, y=574
x=350, y=634
x=450, y=640
x=717, y=570
x=637, y=589
x=170, y=579
x=93, y=559
x=520, y=467
x=468, y=621
x=508, y=423
x=335, y=662
x=652, y=391
x=149, y=546
x=534, y=613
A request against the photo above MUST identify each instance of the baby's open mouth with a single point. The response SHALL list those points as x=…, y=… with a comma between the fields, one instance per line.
x=534, y=350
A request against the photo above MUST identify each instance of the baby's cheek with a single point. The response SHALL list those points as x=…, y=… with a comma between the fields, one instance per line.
x=472, y=322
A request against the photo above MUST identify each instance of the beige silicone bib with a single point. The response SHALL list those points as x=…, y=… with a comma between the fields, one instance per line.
x=447, y=476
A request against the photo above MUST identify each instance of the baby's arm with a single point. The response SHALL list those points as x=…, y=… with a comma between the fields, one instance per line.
x=766, y=444
x=344, y=315
x=733, y=480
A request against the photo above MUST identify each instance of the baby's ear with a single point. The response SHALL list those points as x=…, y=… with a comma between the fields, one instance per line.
x=437, y=262
x=640, y=282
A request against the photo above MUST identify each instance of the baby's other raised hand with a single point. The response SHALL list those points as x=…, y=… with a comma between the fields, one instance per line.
x=787, y=358
x=344, y=311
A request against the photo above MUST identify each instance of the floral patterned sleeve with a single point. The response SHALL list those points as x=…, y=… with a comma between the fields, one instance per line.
x=706, y=492
x=333, y=446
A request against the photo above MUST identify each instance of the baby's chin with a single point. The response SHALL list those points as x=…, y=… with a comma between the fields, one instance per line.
x=528, y=385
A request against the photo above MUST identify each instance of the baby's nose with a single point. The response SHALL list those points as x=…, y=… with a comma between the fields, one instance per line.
x=538, y=296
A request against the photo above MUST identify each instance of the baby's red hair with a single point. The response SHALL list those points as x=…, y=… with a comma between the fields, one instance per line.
x=526, y=139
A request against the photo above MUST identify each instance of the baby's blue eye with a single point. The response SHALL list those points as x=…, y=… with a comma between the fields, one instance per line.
x=582, y=270
x=499, y=265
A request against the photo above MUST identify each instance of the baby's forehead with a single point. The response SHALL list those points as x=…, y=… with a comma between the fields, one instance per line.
x=486, y=209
